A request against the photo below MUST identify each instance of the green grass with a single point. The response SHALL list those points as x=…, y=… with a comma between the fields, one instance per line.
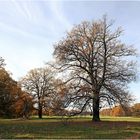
x=129, y=119
x=77, y=127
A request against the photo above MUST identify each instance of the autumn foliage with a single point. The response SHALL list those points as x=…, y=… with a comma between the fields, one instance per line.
x=13, y=101
x=119, y=111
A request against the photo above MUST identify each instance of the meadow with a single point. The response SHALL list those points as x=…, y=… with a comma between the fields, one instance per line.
x=73, y=128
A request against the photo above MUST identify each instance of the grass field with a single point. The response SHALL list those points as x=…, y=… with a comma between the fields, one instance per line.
x=78, y=128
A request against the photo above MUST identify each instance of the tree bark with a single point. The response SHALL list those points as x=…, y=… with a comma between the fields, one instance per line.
x=96, y=115
x=40, y=111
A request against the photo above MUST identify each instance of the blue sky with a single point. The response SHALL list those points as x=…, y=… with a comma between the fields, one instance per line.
x=29, y=28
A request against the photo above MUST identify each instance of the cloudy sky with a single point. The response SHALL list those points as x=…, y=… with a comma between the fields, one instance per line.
x=29, y=28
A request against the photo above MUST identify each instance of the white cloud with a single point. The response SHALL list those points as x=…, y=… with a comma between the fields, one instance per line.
x=18, y=8
x=56, y=7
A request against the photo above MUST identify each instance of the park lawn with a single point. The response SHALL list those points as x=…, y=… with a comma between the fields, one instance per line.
x=78, y=128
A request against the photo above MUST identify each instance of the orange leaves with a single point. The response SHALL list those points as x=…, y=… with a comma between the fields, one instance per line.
x=23, y=105
x=117, y=111
x=122, y=111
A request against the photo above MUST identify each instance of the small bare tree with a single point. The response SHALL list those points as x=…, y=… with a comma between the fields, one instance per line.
x=1, y=62
x=99, y=64
x=39, y=83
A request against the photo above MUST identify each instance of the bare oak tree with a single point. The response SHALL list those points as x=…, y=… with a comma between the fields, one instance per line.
x=38, y=83
x=99, y=64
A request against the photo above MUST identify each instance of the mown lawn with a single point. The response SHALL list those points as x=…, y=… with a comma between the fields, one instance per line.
x=78, y=128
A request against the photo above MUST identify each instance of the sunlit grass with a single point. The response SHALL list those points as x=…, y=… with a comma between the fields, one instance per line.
x=131, y=119
x=79, y=127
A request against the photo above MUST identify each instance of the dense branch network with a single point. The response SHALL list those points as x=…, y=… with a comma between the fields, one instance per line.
x=97, y=60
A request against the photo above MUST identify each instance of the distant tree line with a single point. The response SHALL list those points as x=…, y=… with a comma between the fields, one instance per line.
x=119, y=111
x=92, y=68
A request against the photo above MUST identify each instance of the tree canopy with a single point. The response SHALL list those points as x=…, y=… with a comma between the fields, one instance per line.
x=99, y=64
x=39, y=84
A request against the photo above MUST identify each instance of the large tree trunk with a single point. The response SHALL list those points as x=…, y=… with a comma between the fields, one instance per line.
x=40, y=111
x=96, y=115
